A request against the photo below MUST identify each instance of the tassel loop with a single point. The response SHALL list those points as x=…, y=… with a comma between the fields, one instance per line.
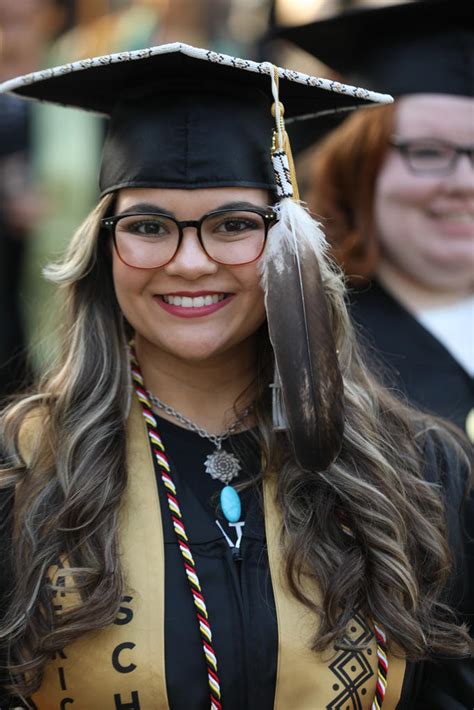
x=282, y=157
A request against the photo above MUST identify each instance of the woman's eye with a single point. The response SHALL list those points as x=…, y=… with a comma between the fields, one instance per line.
x=147, y=228
x=236, y=225
x=427, y=153
x=430, y=153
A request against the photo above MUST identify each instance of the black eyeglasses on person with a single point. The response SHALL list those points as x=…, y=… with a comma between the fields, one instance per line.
x=229, y=236
x=431, y=156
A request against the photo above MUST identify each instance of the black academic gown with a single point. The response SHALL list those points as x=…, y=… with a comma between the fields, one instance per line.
x=417, y=363
x=240, y=605
x=239, y=594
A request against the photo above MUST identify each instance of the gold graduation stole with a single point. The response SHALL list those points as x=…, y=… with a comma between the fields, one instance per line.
x=122, y=667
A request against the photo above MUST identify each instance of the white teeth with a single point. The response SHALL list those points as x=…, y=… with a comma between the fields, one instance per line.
x=197, y=302
x=455, y=216
x=461, y=217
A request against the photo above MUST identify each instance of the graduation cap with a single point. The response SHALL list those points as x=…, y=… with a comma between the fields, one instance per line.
x=182, y=117
x=415, y=47
x=185, y=117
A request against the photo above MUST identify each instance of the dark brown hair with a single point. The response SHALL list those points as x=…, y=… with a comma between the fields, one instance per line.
x=341, y=187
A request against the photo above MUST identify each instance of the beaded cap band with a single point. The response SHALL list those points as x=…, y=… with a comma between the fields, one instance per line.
x=205, y=55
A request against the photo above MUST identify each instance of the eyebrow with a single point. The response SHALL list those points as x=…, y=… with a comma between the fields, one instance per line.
x=150, y=208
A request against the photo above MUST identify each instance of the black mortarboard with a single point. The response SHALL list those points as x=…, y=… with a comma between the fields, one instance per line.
x=409, y=48
x=186, y=117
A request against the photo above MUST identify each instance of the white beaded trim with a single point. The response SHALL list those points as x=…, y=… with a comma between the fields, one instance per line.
x=284, y=187
x=195, y=53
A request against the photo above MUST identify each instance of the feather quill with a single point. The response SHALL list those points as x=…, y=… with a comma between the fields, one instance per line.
x=302, y=339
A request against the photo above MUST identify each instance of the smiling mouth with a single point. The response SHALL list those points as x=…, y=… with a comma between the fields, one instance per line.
x=193, y=302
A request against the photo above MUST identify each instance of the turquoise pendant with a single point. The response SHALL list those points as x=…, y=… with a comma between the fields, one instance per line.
x=230, y=504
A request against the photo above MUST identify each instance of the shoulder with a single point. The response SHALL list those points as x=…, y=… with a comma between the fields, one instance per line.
x=371, y=300
x=26, y=442
x=22, y=424
x=31, y=432
x=448, y=465
x=447, y=462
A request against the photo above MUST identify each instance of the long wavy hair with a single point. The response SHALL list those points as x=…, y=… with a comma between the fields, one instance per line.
x=341, y=187
x=393, y=567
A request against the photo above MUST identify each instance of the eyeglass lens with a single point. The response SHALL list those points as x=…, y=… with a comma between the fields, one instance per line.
x=432, y=156
x=151, y=240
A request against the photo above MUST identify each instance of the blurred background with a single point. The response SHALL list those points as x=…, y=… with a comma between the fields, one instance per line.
x=49, y=155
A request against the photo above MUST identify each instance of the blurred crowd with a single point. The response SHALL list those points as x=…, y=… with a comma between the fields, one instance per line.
x=407, y=246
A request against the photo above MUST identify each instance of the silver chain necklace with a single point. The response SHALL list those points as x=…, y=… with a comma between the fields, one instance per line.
x=221, y=464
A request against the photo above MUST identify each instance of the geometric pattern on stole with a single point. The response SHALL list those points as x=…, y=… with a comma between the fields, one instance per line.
x=336, y=679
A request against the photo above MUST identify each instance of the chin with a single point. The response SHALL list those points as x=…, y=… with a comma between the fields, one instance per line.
x=192, y=352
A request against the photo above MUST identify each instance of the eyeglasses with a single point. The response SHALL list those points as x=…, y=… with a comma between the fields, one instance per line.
x=232, y=237
x=430, y=156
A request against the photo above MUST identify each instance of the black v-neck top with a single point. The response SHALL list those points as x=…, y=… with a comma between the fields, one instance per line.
x=238, y=593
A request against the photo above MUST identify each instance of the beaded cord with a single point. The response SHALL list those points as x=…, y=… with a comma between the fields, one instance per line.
x=382, y=668
x=190, y=566
x=180, y=530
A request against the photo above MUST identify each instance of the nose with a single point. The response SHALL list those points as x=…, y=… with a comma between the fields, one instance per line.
x=191, y=261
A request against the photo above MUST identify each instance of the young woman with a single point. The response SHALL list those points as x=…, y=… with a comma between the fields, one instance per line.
x=209, y=501
x=396, y=191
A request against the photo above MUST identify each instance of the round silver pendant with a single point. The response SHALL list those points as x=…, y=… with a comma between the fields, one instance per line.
x=222, y=465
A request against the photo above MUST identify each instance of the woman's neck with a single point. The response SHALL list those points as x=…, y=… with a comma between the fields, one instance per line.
x=204, y=392
x=413, y=294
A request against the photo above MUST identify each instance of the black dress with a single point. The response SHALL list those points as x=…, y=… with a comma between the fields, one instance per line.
x=239, y=593
x=417, y=363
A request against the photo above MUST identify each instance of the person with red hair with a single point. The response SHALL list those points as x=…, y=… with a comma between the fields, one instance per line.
x=394, y=187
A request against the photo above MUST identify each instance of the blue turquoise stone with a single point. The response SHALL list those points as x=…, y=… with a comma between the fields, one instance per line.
x=230, y=504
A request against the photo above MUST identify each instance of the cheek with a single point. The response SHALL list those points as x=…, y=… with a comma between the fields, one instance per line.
x=397, y=188
x=250, y=304
x=249, y=281
x=400, y=204
x=257, y=313
x=129, y=283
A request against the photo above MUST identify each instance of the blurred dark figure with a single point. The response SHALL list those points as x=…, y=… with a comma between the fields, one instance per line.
x=14, y=148
x=25, y=30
